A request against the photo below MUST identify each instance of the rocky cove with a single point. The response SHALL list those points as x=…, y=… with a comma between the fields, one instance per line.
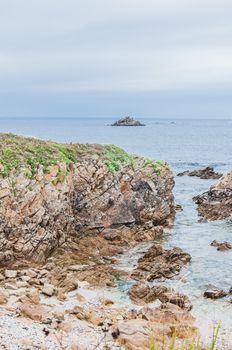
x=92, y=256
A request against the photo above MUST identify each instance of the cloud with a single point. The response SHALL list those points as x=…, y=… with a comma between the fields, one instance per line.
x=68, y=46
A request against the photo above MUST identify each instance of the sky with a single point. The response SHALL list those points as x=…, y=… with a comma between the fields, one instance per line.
x=109, y=58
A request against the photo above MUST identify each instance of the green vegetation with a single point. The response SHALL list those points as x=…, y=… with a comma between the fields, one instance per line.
x=192, y=345
x=155, y=165
x=25, y=154
x=116, y=157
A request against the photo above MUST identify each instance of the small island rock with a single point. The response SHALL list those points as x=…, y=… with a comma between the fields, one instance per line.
x=127, y=121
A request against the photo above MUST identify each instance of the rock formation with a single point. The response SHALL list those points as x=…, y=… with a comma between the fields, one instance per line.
x=67, y=212
x=142, y=294
x=214, y=293
x=206, y=173
x=127, y=121
x=216, y=203
x=104, y=188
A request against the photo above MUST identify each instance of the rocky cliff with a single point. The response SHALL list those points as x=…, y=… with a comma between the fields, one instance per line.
x=51, y=193
x=216, y=203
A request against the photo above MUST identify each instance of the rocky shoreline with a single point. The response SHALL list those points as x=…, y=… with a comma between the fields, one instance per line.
x=62, y=229
x=65, y=228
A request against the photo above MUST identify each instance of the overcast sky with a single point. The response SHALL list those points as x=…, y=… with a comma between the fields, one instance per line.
x=79, y=58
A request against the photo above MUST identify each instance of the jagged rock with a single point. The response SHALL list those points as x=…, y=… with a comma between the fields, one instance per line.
x=216, y=204
x=159, y=263
x=214, y=293
x=127, y=121
x=221, y=246
x=143, y=293
x=206, y=173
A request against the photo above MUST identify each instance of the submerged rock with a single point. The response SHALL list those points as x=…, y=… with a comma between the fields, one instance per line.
x=206, y=173
x=127, y=121
x=159, y=263
x=216, y=204
x=221, y=246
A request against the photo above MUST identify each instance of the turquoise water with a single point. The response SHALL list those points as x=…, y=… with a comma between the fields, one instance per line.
x=185, y=144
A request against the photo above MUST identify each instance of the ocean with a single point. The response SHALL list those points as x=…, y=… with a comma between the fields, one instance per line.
x=183, y=143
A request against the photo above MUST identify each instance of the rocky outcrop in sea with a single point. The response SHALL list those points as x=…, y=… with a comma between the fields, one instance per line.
x=127, y=121
x=216, y=204
x=206, y=173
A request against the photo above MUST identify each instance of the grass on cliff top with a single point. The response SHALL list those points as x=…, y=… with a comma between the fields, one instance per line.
x=24, y=154
x=115, y=157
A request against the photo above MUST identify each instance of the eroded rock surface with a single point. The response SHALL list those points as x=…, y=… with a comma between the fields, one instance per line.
x=159, y=263
x=39, y=215
x=216, y=204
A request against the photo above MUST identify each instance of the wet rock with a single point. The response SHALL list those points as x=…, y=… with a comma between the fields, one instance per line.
x=223, y=246
x=214, y=293
x=206, y=173
x=178, y=207
x=127, y=121
x=216, y=203
x=141, y=293
x=160, y=263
